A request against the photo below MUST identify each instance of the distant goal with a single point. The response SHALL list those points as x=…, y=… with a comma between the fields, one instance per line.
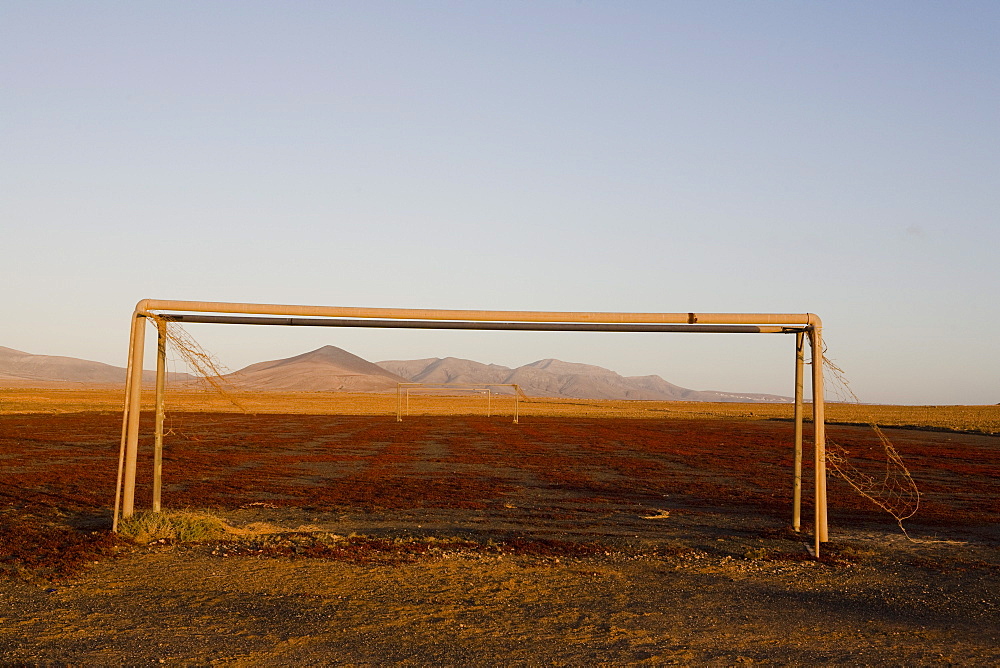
x=492, y=394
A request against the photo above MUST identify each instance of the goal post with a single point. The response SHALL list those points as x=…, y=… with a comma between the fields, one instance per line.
x=802, y=325
x=403, y=391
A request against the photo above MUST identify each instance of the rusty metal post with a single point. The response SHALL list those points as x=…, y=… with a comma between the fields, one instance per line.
x=819, y=434
x=134, y=397
x=125, y=414
x=161, y=363
x=399, y=402
x=797, y=474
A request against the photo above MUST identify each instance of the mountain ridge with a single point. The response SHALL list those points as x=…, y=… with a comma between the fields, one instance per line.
x=333, y=369
x=558, y=379
x=26, y=369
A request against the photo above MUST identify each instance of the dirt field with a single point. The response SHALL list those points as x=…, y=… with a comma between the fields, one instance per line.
x=971, y=419
x=561, y=540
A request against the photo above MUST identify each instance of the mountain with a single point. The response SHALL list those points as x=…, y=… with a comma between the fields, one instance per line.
x=447, y=370
x=330, y=369
x=326, y=369
x=18, y=368
x=555, y=378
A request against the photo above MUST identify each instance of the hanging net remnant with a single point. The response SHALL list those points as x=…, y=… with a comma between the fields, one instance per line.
x=206, y=367
x=885, y=480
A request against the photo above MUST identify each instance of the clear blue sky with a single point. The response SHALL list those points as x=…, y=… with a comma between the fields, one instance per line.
x=839, y=158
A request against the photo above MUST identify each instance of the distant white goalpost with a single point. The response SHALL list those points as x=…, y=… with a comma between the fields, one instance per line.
x=802, y=325
x=403, y=394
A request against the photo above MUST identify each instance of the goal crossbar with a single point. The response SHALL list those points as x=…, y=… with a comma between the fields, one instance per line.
x=802, y=325
x=480, y=325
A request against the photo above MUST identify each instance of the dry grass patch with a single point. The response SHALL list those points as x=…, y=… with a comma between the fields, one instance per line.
x=185, y=526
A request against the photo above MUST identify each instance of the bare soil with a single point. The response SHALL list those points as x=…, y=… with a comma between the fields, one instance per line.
x=468, y=540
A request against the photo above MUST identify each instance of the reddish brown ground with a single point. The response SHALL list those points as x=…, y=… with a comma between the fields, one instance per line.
x=66, y=463
x=547, y=488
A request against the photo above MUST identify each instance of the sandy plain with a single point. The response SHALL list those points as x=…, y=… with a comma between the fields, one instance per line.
x=589, y=533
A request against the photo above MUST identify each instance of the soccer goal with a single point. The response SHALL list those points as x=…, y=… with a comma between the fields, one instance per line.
x=486, y=390
x=801, y=325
